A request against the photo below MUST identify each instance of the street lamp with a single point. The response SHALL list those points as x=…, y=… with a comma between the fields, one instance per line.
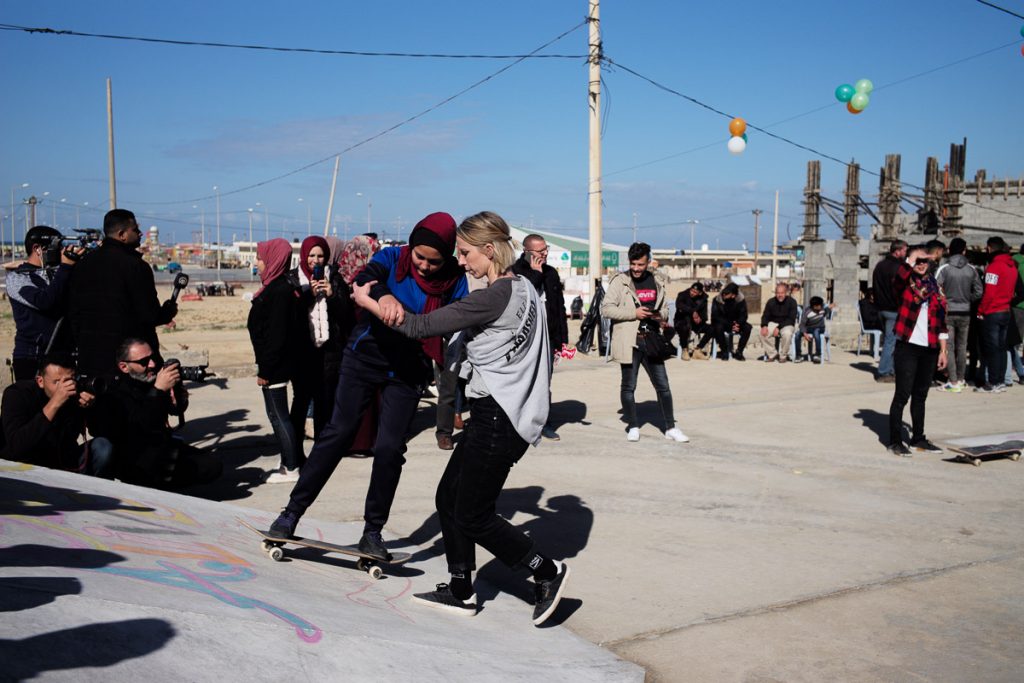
x=251, y=249
x=266, y=222
x=369, y=211
x=693, y=229
x=14, y=220
x=309, y=218
x=202, y=235
x=217, y=190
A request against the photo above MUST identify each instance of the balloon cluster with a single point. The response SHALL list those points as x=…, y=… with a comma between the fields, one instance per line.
x=855, y=96
x=738, y=131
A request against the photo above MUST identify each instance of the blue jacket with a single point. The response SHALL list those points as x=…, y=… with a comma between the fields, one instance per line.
x=38, y=300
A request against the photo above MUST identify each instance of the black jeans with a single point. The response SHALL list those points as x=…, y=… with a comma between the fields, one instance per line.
x=994, y=327
x=469, y=489
x=447, y=390
x=358, y=384
x=723, y=335
x=686, y=325
x=915, y=367
x=276, y=402
x=659, y=378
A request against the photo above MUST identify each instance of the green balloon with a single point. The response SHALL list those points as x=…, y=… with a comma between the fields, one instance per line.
x=845, y=92
x=864, y=85
x=859, y=101
x=744, y=137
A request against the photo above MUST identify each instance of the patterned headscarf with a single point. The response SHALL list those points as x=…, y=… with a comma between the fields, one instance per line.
x=355, y=255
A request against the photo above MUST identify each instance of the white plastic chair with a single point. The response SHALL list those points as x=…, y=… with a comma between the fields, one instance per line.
x=877, y=334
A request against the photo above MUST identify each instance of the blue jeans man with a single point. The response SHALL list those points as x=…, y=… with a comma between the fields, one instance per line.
x=886, y=368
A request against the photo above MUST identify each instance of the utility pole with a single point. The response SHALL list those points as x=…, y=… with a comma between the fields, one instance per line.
x=252, y=253
x=594, y=104
x=693, y=231
x=217, y=190
x=775, y=242
x=757, y=231
x=634, y=227
x=330, y=203
x=110, y=145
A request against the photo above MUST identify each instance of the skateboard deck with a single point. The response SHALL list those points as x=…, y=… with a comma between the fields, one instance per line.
x=274, y=547
x=975, y=455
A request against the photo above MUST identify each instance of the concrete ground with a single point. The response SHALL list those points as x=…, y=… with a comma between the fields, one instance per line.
x=782, y=543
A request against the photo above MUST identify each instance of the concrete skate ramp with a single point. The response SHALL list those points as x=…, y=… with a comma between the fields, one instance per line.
x=104, y=581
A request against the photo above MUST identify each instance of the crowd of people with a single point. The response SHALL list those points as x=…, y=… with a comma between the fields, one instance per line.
x=360, y=332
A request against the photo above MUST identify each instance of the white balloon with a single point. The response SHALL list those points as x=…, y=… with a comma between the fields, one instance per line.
x=737, y=145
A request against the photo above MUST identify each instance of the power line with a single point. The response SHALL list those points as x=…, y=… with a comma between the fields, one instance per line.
x=1002, y=9
x=272, y=48
x=382, y=133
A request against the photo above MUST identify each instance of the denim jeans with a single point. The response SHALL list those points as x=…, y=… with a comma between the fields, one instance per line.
x=469, y=489
x=659, y=378
x=915, y=366
x=1014, y=365
x=98, y=458
x=958, y=326
x=276, y=402
x=815, y=342
x=993, y=343
x=885, y=361
x=358, y=384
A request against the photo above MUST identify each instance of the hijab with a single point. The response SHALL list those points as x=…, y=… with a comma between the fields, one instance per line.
x=276, y=255
x=335, y=244
x=355, y=255
x=307, y=246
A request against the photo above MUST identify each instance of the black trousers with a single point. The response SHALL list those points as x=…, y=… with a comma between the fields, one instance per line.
x=686, y=325
x=469, y=489
x=723, y=335
x=357, y=386
x=915, y=366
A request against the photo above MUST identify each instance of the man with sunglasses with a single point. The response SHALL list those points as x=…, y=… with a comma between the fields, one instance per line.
x=532, y=265
x=134, y=415
x=921, y=337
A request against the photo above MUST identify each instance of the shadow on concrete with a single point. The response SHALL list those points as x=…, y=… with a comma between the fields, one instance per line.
x=877, y=422
x=567, y=412
x=22, y=497
x=647, y=412
x=864, y=366
x=217, y=427
x=33, y=555
x=19, y=593
x=238, y=478
x=92, y=645
x=566, y=608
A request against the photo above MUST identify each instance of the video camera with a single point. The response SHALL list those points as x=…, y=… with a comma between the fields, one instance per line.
x=88, y=239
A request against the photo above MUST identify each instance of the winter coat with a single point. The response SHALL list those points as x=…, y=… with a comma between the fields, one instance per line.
x=687, y=305
x=782, y=313
x=275, y=323
x=960, y=283
x=112, y=298
x=619, y=306
x=883, y=282
x=30, y=437
x=1000, y=280
x=725, y=313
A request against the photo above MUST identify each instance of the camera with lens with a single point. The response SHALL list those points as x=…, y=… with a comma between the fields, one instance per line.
x=91, y=384
x=190, y=373
x=57, y=244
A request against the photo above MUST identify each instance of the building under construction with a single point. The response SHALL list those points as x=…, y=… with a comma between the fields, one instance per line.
x=946, y=207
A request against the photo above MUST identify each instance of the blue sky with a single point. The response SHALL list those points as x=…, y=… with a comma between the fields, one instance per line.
x=189, y=118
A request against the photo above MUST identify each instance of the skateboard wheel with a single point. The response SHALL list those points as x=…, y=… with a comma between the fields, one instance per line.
x=276, y=553
x=1015, y=457
x=266, y=545
x=375, y=572
x=362, y=565
x=976, y=462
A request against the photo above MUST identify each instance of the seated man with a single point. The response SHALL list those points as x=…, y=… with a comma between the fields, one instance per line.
x=778, y=321
x=812, y=327
x=43, y=418
x=692, y=316
x=133, y=414
x=729, y=317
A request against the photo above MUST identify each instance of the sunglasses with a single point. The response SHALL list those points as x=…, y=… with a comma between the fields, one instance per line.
x=144, y=361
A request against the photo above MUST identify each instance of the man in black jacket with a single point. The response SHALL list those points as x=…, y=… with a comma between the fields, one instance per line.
x=882, y=281
x=778, y=321
x=692, y=316
x=533, y=266
x=43, y=418
x=729, y=317
x=113, y=297
x=38, y=294
x=133, y=414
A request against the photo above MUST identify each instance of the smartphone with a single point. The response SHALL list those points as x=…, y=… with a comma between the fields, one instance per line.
x=318, y=273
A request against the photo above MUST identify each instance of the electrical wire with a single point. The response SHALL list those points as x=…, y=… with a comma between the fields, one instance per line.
x=271, y=48
x=382, y=133
x=1002, y=9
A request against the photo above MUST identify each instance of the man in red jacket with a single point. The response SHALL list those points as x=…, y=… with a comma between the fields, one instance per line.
x=994, y=312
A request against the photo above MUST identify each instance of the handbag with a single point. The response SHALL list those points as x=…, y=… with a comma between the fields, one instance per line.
x=652, y=343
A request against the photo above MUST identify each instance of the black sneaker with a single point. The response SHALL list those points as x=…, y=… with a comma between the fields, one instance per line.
x=548, y=594
x=373, y=545
x=800, y=359
x=899, y=449
x=284, y=525
x=738, y=356
x=442, y=598
x=926, y=446
x=723, y=356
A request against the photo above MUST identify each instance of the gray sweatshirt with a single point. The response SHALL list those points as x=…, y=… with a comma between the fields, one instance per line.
x=502, y=349
x=960, y=283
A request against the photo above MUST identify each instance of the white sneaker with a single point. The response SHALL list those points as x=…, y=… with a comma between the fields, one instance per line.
x=633, y=434
x=283, y=476
x=676, y=435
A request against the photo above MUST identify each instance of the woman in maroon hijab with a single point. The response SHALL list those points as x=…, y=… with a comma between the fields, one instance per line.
x=274, y=318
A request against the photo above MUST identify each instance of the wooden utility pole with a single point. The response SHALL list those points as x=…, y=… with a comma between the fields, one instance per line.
x=775, y=243
x=812, y=201
x=330, y=202
x=757, y=236
x=110, y=145
x=594, y=104
x=851, y=208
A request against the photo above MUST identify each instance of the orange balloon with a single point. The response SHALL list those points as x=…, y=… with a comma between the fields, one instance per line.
x=737, y=127
x=850, y=109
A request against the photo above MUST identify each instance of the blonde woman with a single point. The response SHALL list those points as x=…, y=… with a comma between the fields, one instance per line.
x=501, y=348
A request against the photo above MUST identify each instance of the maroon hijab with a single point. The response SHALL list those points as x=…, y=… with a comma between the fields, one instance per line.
x=307, y=246
x=276, y=255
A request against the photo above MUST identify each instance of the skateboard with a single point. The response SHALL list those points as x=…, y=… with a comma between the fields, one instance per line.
x=274, y=548
x=976, y=454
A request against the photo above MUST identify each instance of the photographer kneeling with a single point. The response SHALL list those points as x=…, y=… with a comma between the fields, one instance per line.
x=43, y=418
x=134, y=414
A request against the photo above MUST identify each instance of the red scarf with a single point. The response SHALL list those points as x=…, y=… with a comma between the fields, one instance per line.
x=438, y=231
